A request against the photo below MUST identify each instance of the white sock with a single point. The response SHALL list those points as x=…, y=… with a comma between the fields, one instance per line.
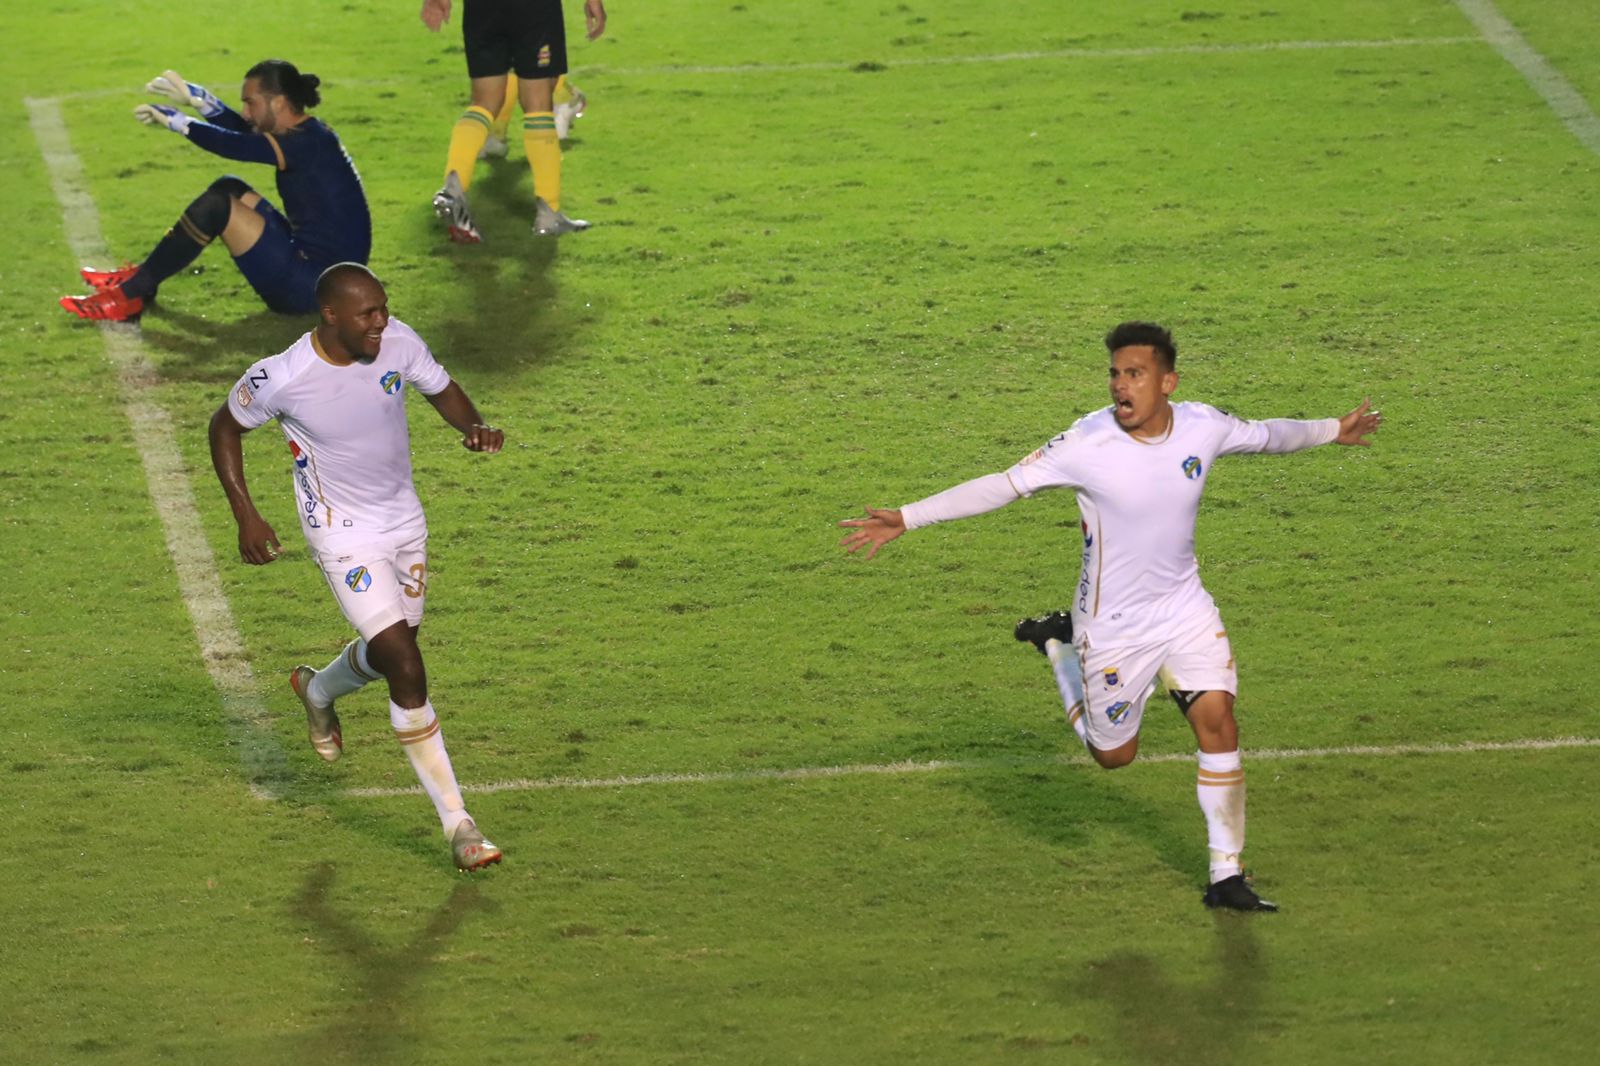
x=417, y=729
x=1069, y=679
x=1220, y=789
x=348, y=672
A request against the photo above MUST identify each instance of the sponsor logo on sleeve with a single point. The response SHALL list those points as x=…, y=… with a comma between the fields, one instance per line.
x=1032, y=457
x=359, y=579
x=243, y=396
x=1191, y=467
x=391, y=382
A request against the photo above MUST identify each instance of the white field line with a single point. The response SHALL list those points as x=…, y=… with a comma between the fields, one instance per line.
x=1568, y=104
x=600, y=69
x=244, y=713
x=1035, y=57
x=810, y=773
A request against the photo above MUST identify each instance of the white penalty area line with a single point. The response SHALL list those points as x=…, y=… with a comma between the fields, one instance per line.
x=661, y=70
x=894, y=769
x=1567, y=103
x=1034, y=57
x=246, y=717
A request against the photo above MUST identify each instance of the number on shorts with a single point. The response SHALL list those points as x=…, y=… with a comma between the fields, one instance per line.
x=419, y=575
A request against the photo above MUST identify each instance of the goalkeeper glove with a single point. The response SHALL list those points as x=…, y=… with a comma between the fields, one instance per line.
x=161, y=115
x=171, y=85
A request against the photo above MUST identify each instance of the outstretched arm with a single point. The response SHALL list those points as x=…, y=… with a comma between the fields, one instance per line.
x=455, y=408
x=258, y=544
x=978, y=496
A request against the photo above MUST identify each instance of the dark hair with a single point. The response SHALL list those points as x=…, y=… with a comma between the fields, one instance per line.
x=340, y=277
x=279, y=77
x=1148, y=334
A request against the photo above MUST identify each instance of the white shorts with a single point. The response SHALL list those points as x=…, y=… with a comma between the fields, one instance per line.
x=378, y=583
x=1118, y=680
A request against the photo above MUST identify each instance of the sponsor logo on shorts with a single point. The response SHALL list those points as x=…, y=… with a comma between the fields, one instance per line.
x=544, y=56
x=1118, y=711
x=243, y=396
x=358, y=579
x=1113, y=679
x=1191, y=467
x=391, y=382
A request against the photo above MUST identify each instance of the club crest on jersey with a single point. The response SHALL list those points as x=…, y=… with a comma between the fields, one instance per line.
x=1191, y=467
x=358, y=579
x=391, y=382
x=1118, y=711
x=1113, y=679
x=300, y=457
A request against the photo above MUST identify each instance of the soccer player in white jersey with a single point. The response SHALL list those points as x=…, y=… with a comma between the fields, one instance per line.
x=1139, y=610
x=338, y=394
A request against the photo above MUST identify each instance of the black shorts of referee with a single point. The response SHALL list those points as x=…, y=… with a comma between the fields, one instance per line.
x=526, y=36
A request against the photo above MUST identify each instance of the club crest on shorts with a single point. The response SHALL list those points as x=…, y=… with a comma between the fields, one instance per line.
x=358, y=579
x=1191, y=467
x=391, y=382
x=1118, y=711
x=1113, y=678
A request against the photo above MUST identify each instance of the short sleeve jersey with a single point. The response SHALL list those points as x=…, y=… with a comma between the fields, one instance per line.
x=346, y=430
x=1138, y=501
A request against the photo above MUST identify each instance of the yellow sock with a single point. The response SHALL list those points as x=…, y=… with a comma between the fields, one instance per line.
x=471, y=130
x=544, y=156
x=563, y=92
x=503, y=119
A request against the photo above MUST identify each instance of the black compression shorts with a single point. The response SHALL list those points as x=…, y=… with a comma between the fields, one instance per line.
x=527, y=36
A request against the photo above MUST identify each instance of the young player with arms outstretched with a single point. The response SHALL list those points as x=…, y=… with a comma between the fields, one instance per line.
x=324, y=219
x=339, y=396
x=1139, y=610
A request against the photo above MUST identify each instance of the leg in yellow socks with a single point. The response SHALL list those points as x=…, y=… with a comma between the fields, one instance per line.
x=466, y=139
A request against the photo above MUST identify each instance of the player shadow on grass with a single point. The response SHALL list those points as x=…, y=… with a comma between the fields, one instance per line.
x=380, y=1019
x=1158, y=1020
x=503, y=313
x=217, y=350
x=1064, y=806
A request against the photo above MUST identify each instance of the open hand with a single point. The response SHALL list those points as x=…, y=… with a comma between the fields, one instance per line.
x=1355, y=427
x=872, y=532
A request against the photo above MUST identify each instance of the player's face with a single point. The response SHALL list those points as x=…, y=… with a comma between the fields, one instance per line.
x=259, y=109
x=1140, y=386
x=360, y=314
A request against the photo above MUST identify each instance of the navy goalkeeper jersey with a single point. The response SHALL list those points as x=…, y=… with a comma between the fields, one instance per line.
x=318, y=187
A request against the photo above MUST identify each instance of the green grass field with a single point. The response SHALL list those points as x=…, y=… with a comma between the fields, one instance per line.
x=842, y=255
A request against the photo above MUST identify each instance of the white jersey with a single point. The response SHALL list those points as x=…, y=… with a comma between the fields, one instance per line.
x=1139, y=500
x=347, y=433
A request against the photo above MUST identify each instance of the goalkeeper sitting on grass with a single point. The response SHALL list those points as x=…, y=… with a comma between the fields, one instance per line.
x=324, y=218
